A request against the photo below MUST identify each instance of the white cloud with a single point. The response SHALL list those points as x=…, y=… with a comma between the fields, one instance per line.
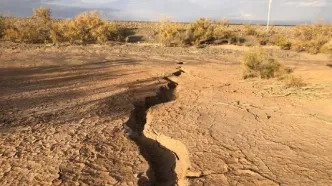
x=313, y=3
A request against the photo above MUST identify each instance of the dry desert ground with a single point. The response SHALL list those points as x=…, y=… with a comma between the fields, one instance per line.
x=143, y=114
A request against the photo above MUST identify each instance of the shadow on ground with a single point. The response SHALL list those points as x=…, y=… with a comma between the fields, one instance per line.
x=59, y=94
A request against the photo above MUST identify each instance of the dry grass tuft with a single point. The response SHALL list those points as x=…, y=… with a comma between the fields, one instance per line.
x=292, y=81
x=258, y=63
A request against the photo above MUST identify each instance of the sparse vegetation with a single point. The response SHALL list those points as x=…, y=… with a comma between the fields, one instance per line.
x=258, y=63
x=292, y=81
x=87, y=27
x=311, y=38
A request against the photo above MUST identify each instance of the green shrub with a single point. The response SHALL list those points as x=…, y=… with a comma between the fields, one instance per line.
x=257, y=63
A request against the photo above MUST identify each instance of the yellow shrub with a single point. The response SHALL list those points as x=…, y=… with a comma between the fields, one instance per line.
x=107, y=31
x=26, y=30
x=223, y=31
x=59, y=31
x=201, y=31
x=88, y=27
x=312, y=38
x=169, y=32
x=313, y=46
x=42, y=13
x=327, y=48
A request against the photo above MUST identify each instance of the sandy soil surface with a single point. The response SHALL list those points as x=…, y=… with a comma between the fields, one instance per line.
x=147, y=115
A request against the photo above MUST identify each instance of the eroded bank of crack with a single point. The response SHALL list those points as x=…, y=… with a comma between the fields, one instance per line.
x=168, y=158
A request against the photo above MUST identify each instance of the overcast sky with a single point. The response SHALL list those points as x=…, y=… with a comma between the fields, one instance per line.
x=179, y=10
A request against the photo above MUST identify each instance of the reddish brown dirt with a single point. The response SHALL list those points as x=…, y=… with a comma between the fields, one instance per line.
x=63, y=112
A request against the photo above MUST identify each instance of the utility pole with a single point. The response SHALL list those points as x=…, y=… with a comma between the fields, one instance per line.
x=269, y=16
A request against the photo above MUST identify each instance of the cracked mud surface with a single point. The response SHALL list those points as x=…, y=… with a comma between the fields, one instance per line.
x=62, y=112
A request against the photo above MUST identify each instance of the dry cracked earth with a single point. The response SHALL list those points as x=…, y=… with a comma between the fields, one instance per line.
x=146, y=115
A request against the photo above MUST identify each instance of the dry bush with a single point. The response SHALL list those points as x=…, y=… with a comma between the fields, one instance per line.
x=327, y=48
x=107, y=31
x=249, y=30
x=87, y=27
x=1, y=26
x=200, y=32
x=42, y=13
x=292, y=81
x=224, y=33
x=282, y=42
x=313, y=46
x=258, y=63
x=169, y=32
x=26, y=30
x=311, y=38
x=80, y=28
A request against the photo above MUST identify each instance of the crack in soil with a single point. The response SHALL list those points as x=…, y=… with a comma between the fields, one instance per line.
x=168, y=158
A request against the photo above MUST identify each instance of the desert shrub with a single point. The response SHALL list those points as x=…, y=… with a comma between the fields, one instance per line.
x=327, y=48
x=200, y=32
x=223, y=32
x=87, y=27
x=311, y=38
x=169, y=32
x=249, y=30
x=313, y=46
x=292, y=81
x=107, y=31
x=282, y=42
x=26, y=30
x=1, y=26
x=258, y=63
x=42, y=13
